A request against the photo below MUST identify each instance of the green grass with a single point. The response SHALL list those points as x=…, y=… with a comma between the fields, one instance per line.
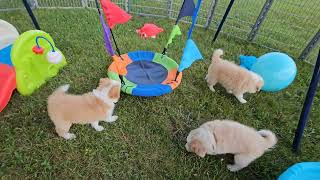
x=148, y=139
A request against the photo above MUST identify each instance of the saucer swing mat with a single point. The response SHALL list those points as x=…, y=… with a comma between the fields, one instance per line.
x=145, y=73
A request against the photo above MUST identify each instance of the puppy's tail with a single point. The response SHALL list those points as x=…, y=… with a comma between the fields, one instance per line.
x=269, y=137
x=216, y=56
x=62, y=89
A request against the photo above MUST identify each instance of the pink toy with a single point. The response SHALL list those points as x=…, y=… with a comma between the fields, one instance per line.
x=149, y=30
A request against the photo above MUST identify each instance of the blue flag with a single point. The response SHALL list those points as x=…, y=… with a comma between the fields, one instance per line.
x=187, y=9
x=191, y=53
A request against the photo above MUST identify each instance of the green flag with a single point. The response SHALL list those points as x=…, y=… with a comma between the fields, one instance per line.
x=175, y=31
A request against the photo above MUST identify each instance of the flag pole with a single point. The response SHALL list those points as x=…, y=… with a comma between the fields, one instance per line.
x=222, y=21
x=113, y=38
x=194, y=20
x=177, y=74
x=98, y=8
x=166, y=48
x=117, y=49
x=33, y=18
x=115, y=43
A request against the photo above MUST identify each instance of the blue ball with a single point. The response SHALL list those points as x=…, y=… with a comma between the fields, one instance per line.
x=278, y=71
x=247, y=61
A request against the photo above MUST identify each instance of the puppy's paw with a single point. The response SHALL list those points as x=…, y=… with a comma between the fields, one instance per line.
x=212, y=89
x=233, y=168
x=240, y=98
x=69, y=136
x=96, y=126
x=99, y=128
x=112, y=119
x=243, y=101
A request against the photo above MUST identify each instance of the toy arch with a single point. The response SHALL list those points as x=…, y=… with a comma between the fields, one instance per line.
x=145, y=73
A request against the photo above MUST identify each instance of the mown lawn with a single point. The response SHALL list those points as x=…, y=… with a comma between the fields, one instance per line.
x=148, y=139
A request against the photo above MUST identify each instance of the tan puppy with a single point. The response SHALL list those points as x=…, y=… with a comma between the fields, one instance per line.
x=225, y=136
x=235, y=79
x=90, y=108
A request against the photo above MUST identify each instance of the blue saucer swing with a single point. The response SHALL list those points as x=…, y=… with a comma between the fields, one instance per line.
x=146, y=73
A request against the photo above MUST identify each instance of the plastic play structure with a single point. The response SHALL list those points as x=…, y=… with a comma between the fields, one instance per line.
x=26, y=61
x=8, y=84
x=7, y=72
x=145, y=73
x=300, y=171
x=277, y=69
x=36, y=59
x=8, y=34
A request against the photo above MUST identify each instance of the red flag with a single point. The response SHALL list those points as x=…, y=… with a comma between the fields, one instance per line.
x=114, y=14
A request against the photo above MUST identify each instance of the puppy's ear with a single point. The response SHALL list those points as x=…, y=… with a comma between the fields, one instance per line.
x=114, y=92
x=197, y=147
x=101, y=80
x=259, y=86
x=104, y=81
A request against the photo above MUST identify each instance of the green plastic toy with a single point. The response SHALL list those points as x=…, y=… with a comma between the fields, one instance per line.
x=36, y=59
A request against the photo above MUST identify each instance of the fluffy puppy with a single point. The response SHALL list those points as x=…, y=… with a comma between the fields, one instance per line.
x=90, y=108
x=225, y=136
x=235, y=79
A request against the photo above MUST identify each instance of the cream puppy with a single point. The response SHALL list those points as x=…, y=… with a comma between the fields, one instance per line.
x=90, y=108
x=235, y=79
x=225, y=136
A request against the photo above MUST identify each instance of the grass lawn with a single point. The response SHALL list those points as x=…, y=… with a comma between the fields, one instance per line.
x=148, y=139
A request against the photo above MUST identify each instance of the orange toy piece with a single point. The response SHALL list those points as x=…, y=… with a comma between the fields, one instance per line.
x=8, y=84
x=171, y=78
x=119, y=65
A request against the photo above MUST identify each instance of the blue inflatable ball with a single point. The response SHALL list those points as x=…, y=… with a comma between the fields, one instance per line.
x=247, y=61
x=278, y=71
